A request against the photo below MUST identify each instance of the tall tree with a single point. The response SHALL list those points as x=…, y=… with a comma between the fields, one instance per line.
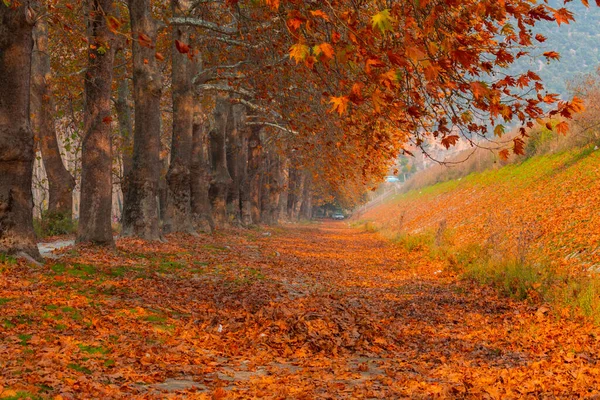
x=124, y=116
x=221, y=178
x=255, y=158
x=201, y=174
x=96, y=173
x=140, y=214
x=60, y=180
x=16, y=136
x=178, y=211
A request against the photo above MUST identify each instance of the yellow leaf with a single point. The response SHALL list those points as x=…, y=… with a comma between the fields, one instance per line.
x=299, y=52
x=378, y=100
x=499, y=130
x=382, y=21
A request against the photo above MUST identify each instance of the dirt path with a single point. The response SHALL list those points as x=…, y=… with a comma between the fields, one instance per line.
x=432, y=333
x=303, y=312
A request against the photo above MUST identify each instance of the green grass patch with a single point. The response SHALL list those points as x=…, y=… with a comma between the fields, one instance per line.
x=21, y=395
x=164, y=327
x=24, y=339
x=6, y=324
x=117, y=272
x=109, y=363
x=60, y=327
x=211, y=247
x=58, y=268
x=5, y=300
x=7, y=260
x=92, y=349
x=155, y=318
x=167, y=267
x=513, y=278
x=80, y=368
x=84, y=271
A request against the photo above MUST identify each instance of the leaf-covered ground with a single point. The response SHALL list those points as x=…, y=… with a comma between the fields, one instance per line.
x=319, y=311
x=546, y=207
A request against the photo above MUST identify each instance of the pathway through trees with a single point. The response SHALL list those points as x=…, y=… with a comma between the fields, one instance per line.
x=319, y=311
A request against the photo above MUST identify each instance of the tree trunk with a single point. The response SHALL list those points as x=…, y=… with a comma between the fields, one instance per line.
x=178, y=216
x=254, y=175
x=16, y=136
x=272, y=189
x=96, y=168
x=140, y=214
x=221, y=178
x=124, y=113
x=245, y=195
x=234, y=150
x=201, y=176
x=60, y=180
x=298, y=192
x=306, y=208
x=291, y=191
x=284, y=188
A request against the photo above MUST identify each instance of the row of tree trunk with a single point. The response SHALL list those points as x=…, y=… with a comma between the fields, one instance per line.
x=221, y=170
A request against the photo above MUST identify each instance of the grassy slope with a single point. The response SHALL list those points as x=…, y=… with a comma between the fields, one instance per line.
x=535, y=225
x=548, y=204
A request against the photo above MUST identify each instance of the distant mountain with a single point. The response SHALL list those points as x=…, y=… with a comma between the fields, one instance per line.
x=578, y=44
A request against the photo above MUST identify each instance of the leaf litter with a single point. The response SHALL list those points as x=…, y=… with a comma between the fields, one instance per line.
x=321, y=311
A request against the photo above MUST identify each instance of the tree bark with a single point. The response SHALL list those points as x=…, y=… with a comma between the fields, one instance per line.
x=306, y=208
x=254, y=173
x=124, y=113
x=221, y=178
x=16, y=135
x=285, y=190
x=201, y=176
x=60, y=180
x=234, y=153
x=96, y=172
x=271, y=189
x=140, y=214
x=243, y=158
x=298, y=194
x=178, y=216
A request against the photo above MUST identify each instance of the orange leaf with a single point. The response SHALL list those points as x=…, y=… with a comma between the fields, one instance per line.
x=319, y=13
x=145, y=40
x=562, y=128
x=327, y=50
x=552, y=55
x=340, y=104
x=113, y=23
x=274, y=4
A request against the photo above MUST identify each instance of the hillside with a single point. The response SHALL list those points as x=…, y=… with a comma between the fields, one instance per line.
x=543, y=210
x=577, y=44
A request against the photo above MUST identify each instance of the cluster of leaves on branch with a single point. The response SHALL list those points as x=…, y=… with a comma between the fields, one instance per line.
x=378, y=74
x=405, y=70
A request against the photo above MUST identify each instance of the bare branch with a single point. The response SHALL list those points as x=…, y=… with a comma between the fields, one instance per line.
x=224, y=88
x=201, y=23
x=273, y=125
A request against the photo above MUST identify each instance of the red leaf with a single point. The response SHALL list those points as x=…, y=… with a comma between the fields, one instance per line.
x=450, y=141
x=182, y=47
